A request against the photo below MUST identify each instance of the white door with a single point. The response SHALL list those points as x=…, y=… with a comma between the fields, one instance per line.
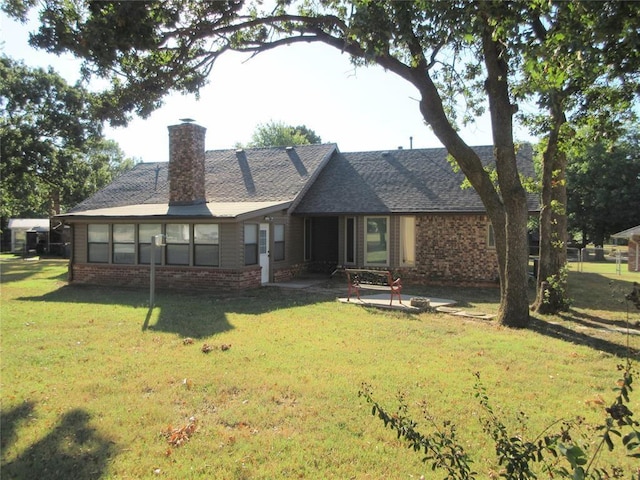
x=263, y=251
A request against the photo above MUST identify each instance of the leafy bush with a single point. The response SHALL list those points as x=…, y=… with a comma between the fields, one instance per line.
x=570, y=452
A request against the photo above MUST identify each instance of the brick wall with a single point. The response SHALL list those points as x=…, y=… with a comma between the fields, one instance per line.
x=288, y=273
x=186, y=164
x=183, y=278
x=452, y=250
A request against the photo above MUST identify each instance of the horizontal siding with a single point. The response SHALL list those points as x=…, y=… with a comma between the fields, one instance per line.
x=79, y=245
x=230, y=243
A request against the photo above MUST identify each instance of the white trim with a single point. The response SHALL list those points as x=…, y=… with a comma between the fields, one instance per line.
x=355, y=240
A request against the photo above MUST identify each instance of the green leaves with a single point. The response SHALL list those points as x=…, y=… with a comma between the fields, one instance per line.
x=441, y=447
x=556, y=454
x=49, y=133
x=277, y=134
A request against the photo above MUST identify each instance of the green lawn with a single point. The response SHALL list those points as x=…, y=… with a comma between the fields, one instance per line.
x=91, y=379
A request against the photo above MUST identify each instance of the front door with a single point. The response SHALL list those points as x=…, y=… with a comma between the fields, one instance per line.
x=263, y=251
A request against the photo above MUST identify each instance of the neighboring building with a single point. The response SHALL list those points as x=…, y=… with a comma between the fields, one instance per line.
x=633, y=235
x=234, y=219
x=29, y=234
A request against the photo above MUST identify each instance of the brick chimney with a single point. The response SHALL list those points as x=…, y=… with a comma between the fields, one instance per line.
x=186, y=163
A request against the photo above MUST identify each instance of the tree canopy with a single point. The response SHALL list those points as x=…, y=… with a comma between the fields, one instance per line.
x=461, y=56
x=278, y=134
x=52, y=149
x=604, y=186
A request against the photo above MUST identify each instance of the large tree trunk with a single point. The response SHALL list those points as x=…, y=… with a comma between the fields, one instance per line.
x=551, y=294
x=508, y=217
x=507, y=210
x=514, y=307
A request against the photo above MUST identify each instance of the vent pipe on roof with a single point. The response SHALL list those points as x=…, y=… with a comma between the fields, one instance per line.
x=410, y=143
x=186, y=163
x=155, y=187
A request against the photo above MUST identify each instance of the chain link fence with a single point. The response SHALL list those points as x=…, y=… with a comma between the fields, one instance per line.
x=615, y=256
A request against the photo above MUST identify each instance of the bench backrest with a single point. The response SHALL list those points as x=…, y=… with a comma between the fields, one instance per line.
x=369, y=277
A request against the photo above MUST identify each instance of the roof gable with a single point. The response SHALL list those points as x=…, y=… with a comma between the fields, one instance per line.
x=399, y=181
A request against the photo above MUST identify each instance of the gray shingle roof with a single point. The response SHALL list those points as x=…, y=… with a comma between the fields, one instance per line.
x=398, y=181
x=251, y=175
x=321, y=179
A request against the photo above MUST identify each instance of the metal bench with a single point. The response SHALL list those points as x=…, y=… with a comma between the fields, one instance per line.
x=359, y=279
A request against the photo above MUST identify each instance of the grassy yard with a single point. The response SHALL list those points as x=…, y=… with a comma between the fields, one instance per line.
x=92, y=380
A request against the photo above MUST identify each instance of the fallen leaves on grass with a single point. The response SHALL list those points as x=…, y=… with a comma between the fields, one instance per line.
x=206, y=348
x=187, y=341
x=596, y=401
x=178, y=436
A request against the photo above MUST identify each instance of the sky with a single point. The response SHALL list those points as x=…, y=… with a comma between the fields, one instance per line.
x=361, y=109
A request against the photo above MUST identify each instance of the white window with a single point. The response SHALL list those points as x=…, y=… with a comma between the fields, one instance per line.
x=98, y=243
x=408, y=241
x=251, y=244
x=124, y=246
x=206, y=245
x=376, y=243
x=177, y=243
x=145, y=232
x=278, y=242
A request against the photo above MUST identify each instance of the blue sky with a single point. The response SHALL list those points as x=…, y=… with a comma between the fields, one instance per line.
x=314, y=85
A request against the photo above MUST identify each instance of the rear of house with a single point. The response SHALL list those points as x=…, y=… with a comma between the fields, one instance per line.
x=234, y=219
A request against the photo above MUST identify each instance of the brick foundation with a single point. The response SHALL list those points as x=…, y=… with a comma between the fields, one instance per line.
x=182, y=278
x=289, y=273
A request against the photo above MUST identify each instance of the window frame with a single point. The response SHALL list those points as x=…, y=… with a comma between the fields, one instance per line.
x=104, y=244
x=405, y=244
x=144, y=246
x=172, y=245
x=367, y=261
x=116, y=243
x=491, y=237
x=279, y=252
x=353, y=235
x=253, y=245
x=206, y=245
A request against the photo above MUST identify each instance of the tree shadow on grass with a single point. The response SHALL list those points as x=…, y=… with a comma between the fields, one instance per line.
x=588, y=338
x=187, y=314
x=593, y=321
x=10, y=421
x=73, y=449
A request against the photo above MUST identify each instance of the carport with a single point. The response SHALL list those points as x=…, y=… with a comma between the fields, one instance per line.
x=29, y=234
x=633, y=235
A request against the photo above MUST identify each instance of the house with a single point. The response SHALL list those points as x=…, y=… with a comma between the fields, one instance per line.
x=233, y=219
x=633, y=235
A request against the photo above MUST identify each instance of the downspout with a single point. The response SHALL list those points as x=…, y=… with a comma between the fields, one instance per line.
x=71, y=255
